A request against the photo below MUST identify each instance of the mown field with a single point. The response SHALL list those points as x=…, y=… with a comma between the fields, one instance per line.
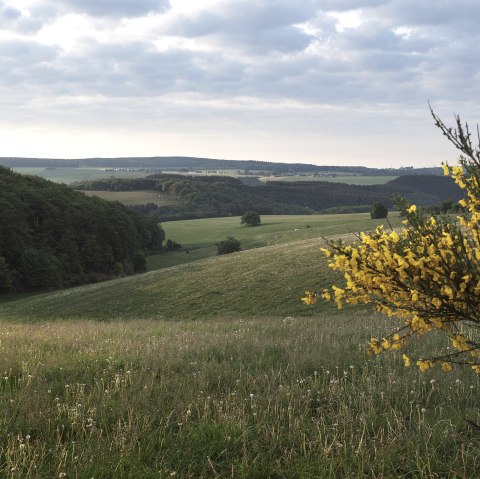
x=198, y=237
x=216, y=369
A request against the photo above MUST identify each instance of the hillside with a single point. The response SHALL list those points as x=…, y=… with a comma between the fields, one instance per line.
x=52, y=236
x=211, y=196
x=265, y=281
x=175, y=162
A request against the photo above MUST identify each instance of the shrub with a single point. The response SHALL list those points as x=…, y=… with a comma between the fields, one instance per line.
x=172, y=245
x=427, y=274
x=250, y=218
x=379, y=210
x=228, y=245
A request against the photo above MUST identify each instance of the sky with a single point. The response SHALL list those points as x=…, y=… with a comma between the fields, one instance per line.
x=329, y=82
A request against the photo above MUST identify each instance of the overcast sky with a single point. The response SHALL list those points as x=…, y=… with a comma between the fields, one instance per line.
x=338, y=82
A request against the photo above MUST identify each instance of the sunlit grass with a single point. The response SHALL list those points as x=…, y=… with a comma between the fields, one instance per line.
x=199, y=236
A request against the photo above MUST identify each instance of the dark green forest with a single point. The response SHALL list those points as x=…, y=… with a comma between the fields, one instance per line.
x=53, y=236
x=211, y=196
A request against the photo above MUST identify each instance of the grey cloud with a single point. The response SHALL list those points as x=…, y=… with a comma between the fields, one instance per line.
x=425, y=12
x=13, y=19
x=345, y=5
x=24, y=53
x=8, y=12
x=117, y=8
x=271, y=60
x=260, y=26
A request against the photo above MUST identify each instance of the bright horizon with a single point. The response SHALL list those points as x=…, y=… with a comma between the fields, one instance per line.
x=343, y=82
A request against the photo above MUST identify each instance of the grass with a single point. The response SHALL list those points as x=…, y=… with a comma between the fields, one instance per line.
x=255, y=398
x=137, y=197
x=215, y=369
x=349, y=179
x=259, y=282
x=199, y=236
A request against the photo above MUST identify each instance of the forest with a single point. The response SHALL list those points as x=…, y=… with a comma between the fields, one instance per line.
x=53, y=236
x=211, y=196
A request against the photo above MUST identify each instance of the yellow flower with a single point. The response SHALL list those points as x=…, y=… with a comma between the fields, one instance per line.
x=447, y=367
x=310, y=298
x=424, y=364
x=412, y=209
x=406, y=360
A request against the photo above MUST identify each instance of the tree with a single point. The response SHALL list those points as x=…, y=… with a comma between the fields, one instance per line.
x=427, y=274
x=379, y=210
x=228, y=245
x=250, y=218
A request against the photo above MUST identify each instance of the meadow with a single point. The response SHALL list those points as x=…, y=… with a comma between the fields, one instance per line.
x=216, y=369
x=199, y=236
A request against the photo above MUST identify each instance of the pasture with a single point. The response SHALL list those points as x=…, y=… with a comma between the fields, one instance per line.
x=216, y=369
x=199, y=236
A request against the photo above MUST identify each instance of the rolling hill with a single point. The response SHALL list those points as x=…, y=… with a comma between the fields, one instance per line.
x=265, y=281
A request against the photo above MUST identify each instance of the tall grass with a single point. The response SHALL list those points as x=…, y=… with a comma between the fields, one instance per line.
x=257, y=398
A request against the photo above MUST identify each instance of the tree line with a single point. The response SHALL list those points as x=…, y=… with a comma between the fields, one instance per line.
x=212, y=196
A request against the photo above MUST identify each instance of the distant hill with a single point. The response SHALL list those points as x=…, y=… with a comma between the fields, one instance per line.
x=209, y=196
x=52, y=236
x=175, y=162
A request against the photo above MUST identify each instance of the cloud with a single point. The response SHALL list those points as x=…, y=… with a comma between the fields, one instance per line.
x=13, y=19
x=117, y=8
x=275, y=59
x=256, y=26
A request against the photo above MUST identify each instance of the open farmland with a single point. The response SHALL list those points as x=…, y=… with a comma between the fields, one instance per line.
x=199, y=236
x=216, y=369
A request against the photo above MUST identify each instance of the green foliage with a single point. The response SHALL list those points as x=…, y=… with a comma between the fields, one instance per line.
x=378, y=211
x=172, y=245
x=426, y=274
x=216, y=196
x=250, y=218
x=228, y=245
x=52, y=236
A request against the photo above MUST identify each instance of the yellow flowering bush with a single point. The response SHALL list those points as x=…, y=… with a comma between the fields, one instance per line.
x=427, y=274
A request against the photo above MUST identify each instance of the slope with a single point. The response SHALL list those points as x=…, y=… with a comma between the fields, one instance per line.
x=264, y=281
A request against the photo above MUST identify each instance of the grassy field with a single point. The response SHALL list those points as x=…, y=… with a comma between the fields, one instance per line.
x=199, y=236
x=137, y=197
x=349, y=179
x=251, y=398
x=263, y=281
x=216, y=369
